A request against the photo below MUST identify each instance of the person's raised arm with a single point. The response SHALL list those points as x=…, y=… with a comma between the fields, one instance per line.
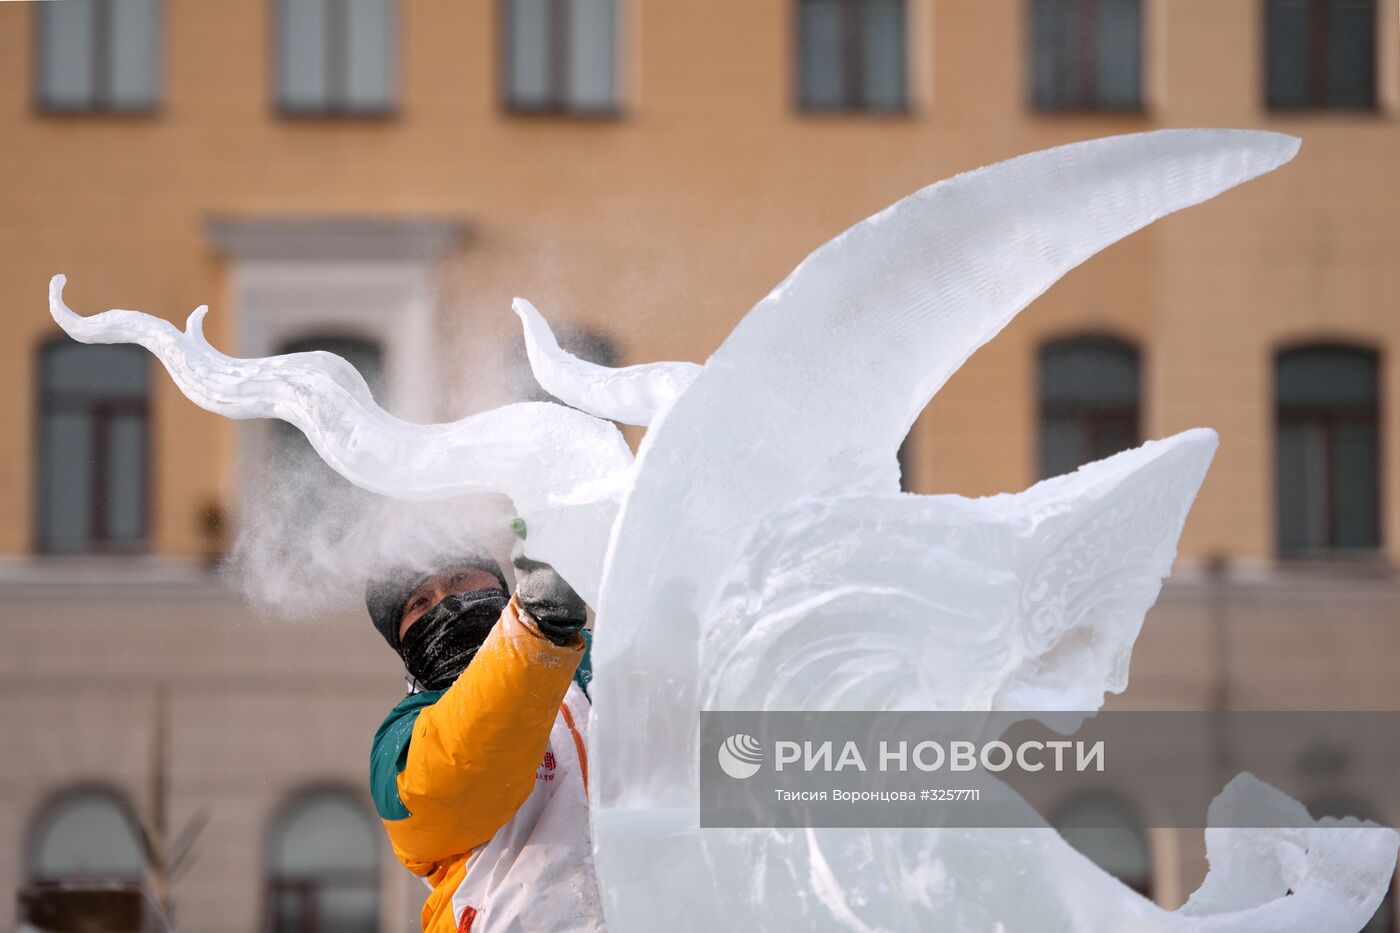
x=472, y=756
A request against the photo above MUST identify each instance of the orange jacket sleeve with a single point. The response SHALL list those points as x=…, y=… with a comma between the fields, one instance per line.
x=473, y=754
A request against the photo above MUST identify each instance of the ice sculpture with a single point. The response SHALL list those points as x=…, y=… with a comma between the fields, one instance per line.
x=630, y=394
x=759, y=554
x=567, y=489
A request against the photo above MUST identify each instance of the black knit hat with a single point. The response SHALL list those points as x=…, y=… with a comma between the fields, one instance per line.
x=387, y=593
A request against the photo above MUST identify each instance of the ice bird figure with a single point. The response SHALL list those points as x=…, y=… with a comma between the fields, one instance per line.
x=764, y=558
x=759, y=555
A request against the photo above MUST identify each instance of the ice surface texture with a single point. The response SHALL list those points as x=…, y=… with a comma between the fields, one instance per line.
x=764, y=558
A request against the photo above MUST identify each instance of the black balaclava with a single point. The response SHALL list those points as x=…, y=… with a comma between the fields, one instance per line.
x=442, y=642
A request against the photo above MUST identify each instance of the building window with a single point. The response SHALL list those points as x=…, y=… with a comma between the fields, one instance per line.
x=1086, y=54
x=93, y=476
x=323, y=872
x=560, y=56
x=98, y=56
x=86, y=835
x=1327, y=457
x=1321, y=54
x=1105, y=830
x=1090, y=401
x=851, y=55
x=337, y=57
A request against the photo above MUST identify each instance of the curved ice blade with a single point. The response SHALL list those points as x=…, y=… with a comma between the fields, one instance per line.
x=566, y=489
x=629, y=394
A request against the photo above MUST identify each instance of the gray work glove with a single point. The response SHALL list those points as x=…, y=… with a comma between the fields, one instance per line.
x=555, y=607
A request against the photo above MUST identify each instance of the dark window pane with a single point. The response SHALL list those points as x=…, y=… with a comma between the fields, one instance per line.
x=126, y=478
x=1326, y=378
x=851, y=55
x=1061, y=445
x=561, y=55
x=67, y=56
x=1289, y=53
x=1086, y=54
x=1321, y=54
x=822, y=54
x=1301, y=487
x=1053, y=54
x=883, y=54
x=1114, y=434
x=303, y=79
x=1351, y=50
x=528, y=24
x=1089, y=402
x=1119, y=54
x=99, y=54
x=100, y=370
x=92, y=473
x=1327, y=449
x=86, y=836
x=66, y=456
x=1089, y=372
x=337, y=56
x=1355, y=458
x=370, y=45
x=591, y=77
x=134, y=53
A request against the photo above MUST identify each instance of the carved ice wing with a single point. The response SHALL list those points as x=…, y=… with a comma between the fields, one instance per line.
x=1017, y=602
x=1095, y=547
x=629, y=394
x=815, y=389
x=566, y=488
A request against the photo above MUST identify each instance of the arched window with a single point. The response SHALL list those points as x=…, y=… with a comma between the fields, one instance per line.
x=1106, y=829
x=93, y=446
x=1090, y=401
x=1327, y=450
x=86, y=834
x=323, y=866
